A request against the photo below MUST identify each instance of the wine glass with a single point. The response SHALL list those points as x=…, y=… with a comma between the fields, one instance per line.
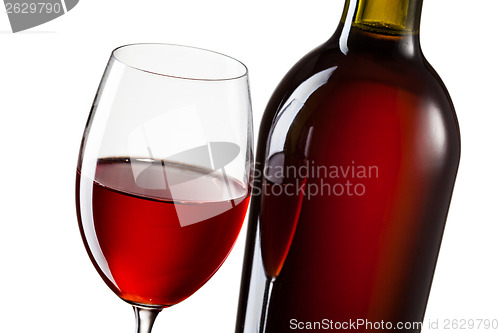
x=164, y=172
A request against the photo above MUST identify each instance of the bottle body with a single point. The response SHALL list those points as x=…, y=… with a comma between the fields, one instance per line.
x=356, y=163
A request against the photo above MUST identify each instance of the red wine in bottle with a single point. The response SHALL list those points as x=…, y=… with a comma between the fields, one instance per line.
x=357, y=157
x=149, y=248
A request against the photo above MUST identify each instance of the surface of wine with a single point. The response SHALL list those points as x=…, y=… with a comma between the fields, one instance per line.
x=156, y=232
x=358, y=152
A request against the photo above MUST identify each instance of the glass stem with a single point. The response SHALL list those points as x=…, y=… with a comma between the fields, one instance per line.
x=265, y=305
x=145, y=318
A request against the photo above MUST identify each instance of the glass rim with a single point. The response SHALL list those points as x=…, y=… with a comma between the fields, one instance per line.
x=244, y=71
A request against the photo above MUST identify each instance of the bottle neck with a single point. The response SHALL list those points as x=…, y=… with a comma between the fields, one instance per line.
x=395, y=21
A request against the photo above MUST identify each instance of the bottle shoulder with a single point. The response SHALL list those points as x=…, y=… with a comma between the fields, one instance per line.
x=327, y=68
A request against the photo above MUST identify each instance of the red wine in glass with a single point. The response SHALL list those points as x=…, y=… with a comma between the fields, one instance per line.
x=156, y=250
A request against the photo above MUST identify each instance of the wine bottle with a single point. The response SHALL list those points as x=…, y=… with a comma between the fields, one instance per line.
x=357, y=156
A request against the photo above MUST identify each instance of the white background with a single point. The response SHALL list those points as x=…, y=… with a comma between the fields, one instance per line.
x=48, y=78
